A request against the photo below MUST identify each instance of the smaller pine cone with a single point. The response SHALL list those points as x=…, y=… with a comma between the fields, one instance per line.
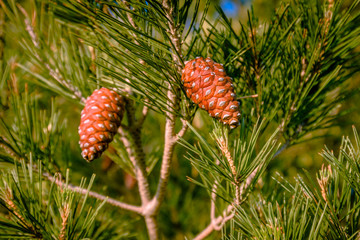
x=99, y=122
x=207, y=85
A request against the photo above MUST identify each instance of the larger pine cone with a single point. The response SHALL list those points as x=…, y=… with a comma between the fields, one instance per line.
x=207, y=85
x=99, y=122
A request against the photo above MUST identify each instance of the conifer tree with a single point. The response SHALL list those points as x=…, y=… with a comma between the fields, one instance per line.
x=151, y=86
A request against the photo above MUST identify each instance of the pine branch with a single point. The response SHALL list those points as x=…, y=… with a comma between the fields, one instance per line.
x=217, y=223
x=184, y=128
x=96, y=195
x=136, y=156
x=133, y=145
x=136, y=151
x=144, y=113
x=173, y=100
x=213, y=201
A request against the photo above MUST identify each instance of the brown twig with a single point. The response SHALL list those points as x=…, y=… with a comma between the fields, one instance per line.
x=133, y=145
x=183, y=129
x=170, y=140
x=131, y=138
x=217, y=223
x=136, y=152
x=96, y=195
x=144, y=114
x=170, y=136
x=213, y=201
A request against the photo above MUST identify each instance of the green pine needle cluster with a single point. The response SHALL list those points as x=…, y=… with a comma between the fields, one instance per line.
x=323, y=208
x=42, y=210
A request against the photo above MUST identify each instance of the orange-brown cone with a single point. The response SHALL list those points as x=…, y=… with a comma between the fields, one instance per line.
x=207, y=85
x=99, y=122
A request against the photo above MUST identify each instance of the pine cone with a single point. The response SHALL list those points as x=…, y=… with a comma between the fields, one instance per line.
x=99, y=122
x=207, y=85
